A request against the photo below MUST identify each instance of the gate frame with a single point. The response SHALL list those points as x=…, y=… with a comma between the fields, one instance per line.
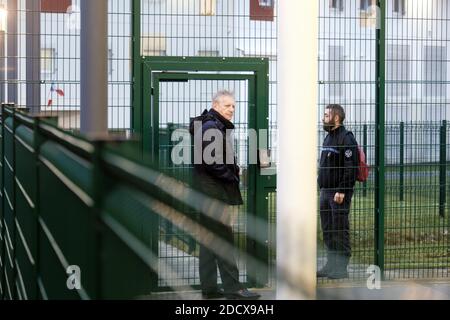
x=259, y=69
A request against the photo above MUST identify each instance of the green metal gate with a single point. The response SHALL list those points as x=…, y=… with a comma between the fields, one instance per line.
x=176, y=90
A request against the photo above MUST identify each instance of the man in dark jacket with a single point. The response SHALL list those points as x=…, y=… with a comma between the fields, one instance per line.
x=216, y=174
x=337, y=177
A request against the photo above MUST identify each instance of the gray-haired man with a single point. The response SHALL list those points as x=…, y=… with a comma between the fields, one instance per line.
x=220, y=180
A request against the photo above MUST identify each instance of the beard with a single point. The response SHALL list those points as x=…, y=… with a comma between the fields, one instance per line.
x=328, y=126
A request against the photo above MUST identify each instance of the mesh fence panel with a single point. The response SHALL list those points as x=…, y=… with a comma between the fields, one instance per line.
x=416, y=223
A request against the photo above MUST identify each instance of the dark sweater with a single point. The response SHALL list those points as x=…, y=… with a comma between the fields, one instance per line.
x=218, y=180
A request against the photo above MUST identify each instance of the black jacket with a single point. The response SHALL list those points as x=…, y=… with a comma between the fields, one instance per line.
x=220, y=179
x=339, y=161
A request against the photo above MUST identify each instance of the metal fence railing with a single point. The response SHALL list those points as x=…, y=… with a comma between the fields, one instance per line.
x=78, y=212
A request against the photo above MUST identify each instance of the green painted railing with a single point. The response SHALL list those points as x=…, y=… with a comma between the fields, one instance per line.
x=82, y=212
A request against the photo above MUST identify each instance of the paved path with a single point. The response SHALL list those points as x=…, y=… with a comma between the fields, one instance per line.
x=178, y=268
x=392, y=290
x=398, y=290
x=185, y=273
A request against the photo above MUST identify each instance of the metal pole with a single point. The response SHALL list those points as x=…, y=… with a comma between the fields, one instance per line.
x=365, y=152
x=2, y=206
x=33, y=54
x=12, y=52
x=443, y=169
x=2, y=67
x=402, y=161
x=94, y=67
x=297, y=174
x=137, y=114
x=380, y=138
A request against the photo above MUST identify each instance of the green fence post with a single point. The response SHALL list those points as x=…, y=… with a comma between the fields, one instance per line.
x=365, y=152
x=2, y=221
x=98, y=186
x=380, y=138
x=13, y=281
x=167, y=166
x=13, y=232
x=136, y=112
x=402, y=160
x=38, y=141
x=443, y=169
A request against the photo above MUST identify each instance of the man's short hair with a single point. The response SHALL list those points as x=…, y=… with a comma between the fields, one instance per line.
x=336, y=109
x=222, y=93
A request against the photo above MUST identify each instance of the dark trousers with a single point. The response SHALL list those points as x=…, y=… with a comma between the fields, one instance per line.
x=211, y=259
x=335, y=222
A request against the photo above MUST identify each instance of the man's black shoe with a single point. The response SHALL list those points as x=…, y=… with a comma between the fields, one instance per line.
x=336, y=275
x=329, y=266
x=217, y=294
x=340, y=270
x=323, y=273
x=243, y=294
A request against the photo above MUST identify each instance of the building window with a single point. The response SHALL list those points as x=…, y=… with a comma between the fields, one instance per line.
x=154, y=46
x=48, y=60
x=366, y=4
x=208, y=7
x=435, y=71
x=369, y=14
x=398, y=70
x=266, y=3
x=337, y=5
x=208, y=53
x=336, y=70
x=400, y=7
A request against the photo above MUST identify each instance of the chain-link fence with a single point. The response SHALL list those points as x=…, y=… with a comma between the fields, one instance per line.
x=42, y=41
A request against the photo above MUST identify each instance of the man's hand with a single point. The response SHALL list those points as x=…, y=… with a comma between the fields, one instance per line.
x=339, y=198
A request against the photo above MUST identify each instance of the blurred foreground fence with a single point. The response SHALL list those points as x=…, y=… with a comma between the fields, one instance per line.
x=73, y=207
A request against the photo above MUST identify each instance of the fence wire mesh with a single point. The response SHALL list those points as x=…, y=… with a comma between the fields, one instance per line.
x=416, y=223
x=43, y=63
x=178, y=103
x=206, y=29
x=42, y=48
x=416, y=209
x=43, y=59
